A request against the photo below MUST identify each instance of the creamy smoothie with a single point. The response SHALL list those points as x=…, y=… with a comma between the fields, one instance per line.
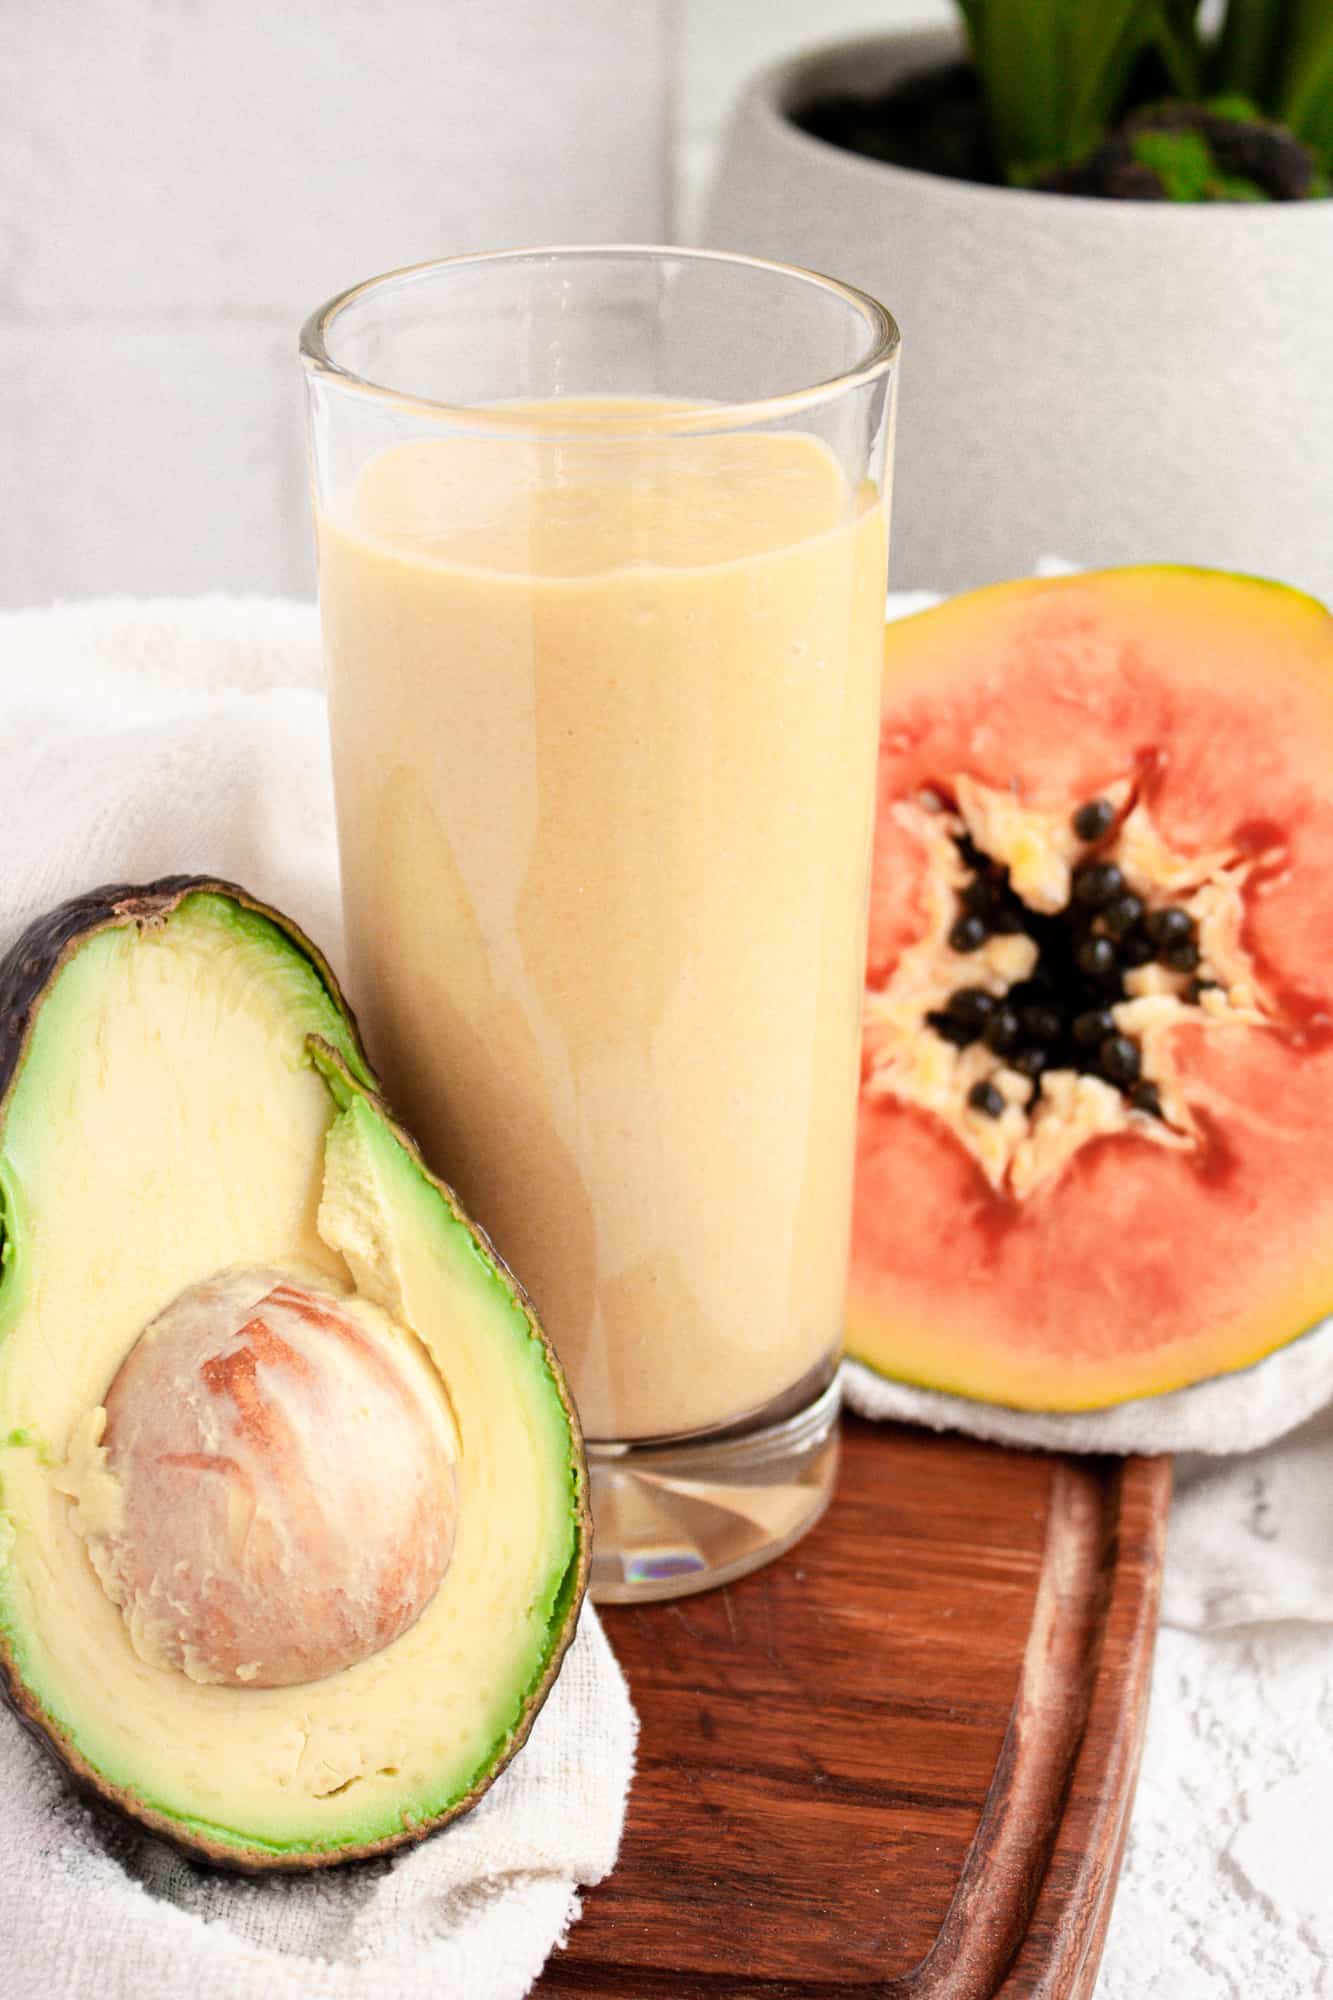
x=604, y=718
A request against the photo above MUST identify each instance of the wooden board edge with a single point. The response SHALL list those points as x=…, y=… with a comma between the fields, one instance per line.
x=1091, y=1841
x=990, y=1917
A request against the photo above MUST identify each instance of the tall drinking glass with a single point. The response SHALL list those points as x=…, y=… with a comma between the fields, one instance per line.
x=602, y=543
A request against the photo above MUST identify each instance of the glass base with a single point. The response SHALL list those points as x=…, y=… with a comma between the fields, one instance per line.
x=673, y=1519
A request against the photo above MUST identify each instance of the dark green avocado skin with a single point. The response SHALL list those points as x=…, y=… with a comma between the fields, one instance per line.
x=37, y=954
x=33, y=959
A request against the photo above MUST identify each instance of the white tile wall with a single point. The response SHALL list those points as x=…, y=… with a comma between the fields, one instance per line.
x=181, y=180
x=150, y=458
x=199, y=155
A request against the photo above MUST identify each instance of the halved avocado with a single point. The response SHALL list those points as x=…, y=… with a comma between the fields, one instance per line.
x=183, y=1092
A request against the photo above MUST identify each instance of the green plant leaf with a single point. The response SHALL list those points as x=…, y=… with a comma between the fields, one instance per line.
x=1303, y=94
x=1279, y=53
x=1176, y=36
x=1016, y=52
x=1054, y=72
x=1244, y=57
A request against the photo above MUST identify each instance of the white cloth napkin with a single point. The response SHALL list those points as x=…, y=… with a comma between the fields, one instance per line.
x=88, y=1907
x=148, y=739
x=1231, y=1413
x=1227, y=1886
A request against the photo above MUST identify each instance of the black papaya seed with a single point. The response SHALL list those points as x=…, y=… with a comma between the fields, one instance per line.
x=1091, y=1029
x=960, y=1033
x=1119, y=1058
x=1094, y=819
x=1169, y=926
x=972, y=1005
x=1030, y=1061
x=1096, y=883
x=1137, y=949
x=1096, y=957
x=1122, y=913
x=1003, y=1031
x=1041, y=1025
x=968, y=934
x=1145, y=1096
x=1182, y=956
x=984, y=1097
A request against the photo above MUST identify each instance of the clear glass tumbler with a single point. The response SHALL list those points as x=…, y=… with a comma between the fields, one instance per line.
x=602, y=543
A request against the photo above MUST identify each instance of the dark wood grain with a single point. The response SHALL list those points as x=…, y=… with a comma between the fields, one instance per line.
x=900, y=1762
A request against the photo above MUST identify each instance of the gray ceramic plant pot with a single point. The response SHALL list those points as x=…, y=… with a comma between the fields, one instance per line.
x=1116, y=381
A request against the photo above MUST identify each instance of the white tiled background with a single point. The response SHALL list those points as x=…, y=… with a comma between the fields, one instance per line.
x=181, y=180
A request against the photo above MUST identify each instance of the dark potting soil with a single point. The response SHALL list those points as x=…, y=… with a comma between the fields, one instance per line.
x=937, y=123
x=1205, y=154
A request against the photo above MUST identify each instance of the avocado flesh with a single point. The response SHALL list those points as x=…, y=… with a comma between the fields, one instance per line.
x=192, y=1097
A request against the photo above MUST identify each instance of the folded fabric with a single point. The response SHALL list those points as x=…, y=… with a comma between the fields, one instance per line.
x=1236, y=1412
x=148, y=739
x=88, y=1906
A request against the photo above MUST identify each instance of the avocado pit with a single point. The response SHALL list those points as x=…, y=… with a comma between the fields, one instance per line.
x=268, y=1492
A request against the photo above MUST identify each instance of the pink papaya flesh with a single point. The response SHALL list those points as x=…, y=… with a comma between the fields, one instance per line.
x=1086, y=1186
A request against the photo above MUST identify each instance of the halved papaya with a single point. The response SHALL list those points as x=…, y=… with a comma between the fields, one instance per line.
x=1095, y=1152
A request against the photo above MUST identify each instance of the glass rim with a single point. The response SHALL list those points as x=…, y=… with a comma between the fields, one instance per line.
x=878, y=358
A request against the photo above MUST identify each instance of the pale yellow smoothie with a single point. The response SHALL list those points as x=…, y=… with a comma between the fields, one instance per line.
x=604, y=719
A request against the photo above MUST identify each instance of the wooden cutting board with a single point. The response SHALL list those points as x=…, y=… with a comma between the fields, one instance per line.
x=900, y=1761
